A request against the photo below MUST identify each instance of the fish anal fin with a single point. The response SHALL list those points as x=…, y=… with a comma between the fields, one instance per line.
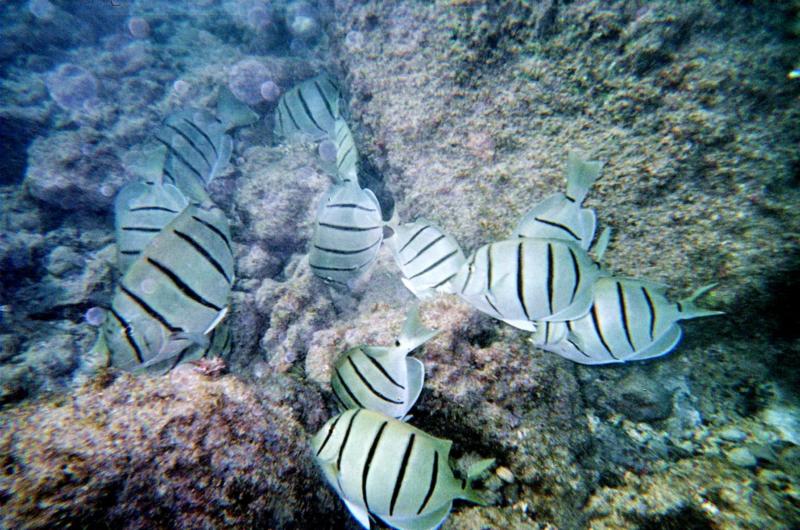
x=427, y=522
x=359, y=512
x=416, y=378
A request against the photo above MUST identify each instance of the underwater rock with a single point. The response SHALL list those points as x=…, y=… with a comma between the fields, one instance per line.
x=742, y=457
x=184, y=451
x=245, y=79
x=72, y=87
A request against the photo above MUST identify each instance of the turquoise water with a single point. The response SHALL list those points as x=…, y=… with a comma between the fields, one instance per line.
x=561, y=236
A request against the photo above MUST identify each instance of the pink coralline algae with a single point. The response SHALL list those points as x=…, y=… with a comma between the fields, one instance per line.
x=72, y=86
x=138, y=27
x=246, y=78
x=270, y=91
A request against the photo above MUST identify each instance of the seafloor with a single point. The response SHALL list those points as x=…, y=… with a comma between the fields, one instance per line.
x=463, y=113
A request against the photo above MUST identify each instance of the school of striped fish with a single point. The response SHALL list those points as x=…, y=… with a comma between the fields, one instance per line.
x=172, y=302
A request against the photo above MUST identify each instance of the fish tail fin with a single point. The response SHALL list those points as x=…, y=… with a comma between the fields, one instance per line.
x=414, y=334
x=473, y=473
x=689, y=309
x=581, y=174
x=232, y=112
x=601, y=245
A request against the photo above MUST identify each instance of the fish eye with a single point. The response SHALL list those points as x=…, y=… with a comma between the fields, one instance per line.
x=397, y=343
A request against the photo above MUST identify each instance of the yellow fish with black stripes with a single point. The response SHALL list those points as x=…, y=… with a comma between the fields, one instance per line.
x=383, y=378
x=384, y=468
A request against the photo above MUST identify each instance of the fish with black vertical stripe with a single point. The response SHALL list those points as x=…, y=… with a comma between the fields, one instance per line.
x=382, y=378
x=428, y=258
x=346, y=153
x=381, y=467
x=197, y=143
x=347, y=234
x=175, y=295
x=311, y=107
x=629, y=320
x=560, y=216
x=524, y=280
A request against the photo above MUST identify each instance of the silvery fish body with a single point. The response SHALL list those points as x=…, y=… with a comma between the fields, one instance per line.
x=346, y=153
x=141, y=211
x=383, y=379
x=175, y=294
x=311, y=108
x=629, y=320
x=198, y=149
x=428, y=258
x=388, y=469
x=527, y=279
x=347, y=234
x=560, y=216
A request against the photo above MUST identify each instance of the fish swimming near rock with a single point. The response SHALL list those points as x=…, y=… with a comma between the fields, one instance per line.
x=141, y=211
x=311, y=107
x=560, y=216
x=380, y=378
x=428, y=258
x=175, y=294
x=528, y=279
x=384, y=468
x=629, y=320
x=197, y=143
x=347, y=234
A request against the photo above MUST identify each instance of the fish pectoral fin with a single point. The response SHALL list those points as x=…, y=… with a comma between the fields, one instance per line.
x=416, y=378
x=526, y=325
x=359, y=512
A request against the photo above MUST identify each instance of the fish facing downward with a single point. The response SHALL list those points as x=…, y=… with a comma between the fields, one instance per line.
x=383, y=379
x=560, y=216
x=524, y=280
x=629, y=320
x=388, y=469
x=347, y=234
x=427, y=257
x=175, y=295
x=311, y=108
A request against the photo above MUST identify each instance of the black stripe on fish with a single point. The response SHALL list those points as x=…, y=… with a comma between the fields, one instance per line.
x=328, y=436
x=347, y=252
x=289, y=112
x=424, y=249
x=344, y=157
x=623, y=312
x=418, y=232
x=346, y=437
x=652, y=310
x=327, y=103
x=347, y=388
x=334, y=269
x=435, y=264
x=521, y=280
x=182, y=286
x=445, y=280
x=489, y=301
x=470, y=267
x=570, y=199
x=153, y=208
x=178, y=358
x=597, y=329
x=179, y=157
x=432, y=486
x=169, y=176
x=402, y=473
x=216, y=230
x=550, y=277
x=382, y=370
x=130, y=252
x=190, y=142
x=578, y=348
x=577, y=270
x=346, y=228
x=559, y=226
x=128, y=335
x=140, y=229
x=489, y=269
x=370, y=454
x=203, y=134
x=679, y=307
x=149, y=310
x=339, y=398
x=547, y=332
x=280, y=123
x=369, y=385
x=306, y=108
x=350, y=205
x=203, y=252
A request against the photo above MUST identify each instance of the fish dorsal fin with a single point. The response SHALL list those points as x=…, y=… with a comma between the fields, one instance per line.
x=232, y=112
x=581, y=174
x=416, y=378
x=147, y=164
x=359, y=512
